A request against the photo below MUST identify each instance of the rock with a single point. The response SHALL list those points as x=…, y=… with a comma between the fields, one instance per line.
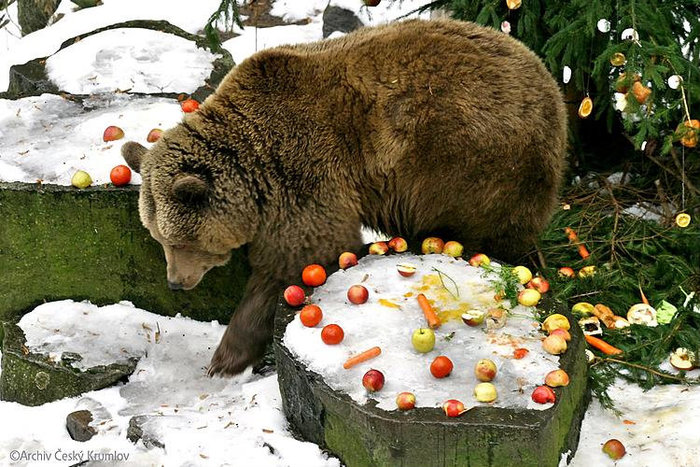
x=32, y=379
x=138, y=430
x=78, y=425
x=339, y=19
x=33, y=15
x=29, y=79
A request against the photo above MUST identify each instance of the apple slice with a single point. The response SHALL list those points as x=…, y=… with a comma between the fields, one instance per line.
x=406, y=269
x=473, y=317
x=682, y=359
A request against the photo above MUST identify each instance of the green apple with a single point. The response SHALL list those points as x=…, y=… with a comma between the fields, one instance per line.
x=423, y=340
x=81, y=179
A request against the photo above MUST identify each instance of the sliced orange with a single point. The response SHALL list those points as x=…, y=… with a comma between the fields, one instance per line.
x=618, y=59
x=683, y=220
x=514, y=4
x=641, y=92
x=688, y=133
x=586, y=107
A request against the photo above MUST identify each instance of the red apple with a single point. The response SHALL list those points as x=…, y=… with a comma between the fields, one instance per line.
x=358, y=294
x=189, y=105
x=561, y=332
x=373, y=380
x=378, y=248
x=485, y=370
x=432, y=245
x=294, y=295
x=154, y=135
x=406, y=269
x=398, y=244
x=567, y=272
x=112, y=133
x=539, y=283
x=614, y=448
x=371, y=2
x=479, y=259
x=347, y=260
x=406, y=400
x=556, y=378
x=543, y=395
x=453, y=249
x=453, y=408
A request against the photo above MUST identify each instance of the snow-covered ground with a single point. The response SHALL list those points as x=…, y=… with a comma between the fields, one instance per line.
x=392, y=313
x=200, y=420
x=42, y=145
x=239, y=421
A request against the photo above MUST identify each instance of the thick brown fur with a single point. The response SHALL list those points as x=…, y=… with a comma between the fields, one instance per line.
x=412, y=129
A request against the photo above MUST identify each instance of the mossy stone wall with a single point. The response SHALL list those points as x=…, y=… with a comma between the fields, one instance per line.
x=58, y=242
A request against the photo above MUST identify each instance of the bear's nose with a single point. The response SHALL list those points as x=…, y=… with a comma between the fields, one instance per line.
x=174, y=286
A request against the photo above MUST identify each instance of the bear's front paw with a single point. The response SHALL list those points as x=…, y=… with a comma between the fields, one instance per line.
x=229, y=361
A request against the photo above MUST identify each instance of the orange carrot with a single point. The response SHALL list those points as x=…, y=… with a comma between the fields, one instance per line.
x=644, y=298
x=573, y=238
x=430, y=316
x=603, y=346
x=583, y=251
x=362, y=357
x=571, y=234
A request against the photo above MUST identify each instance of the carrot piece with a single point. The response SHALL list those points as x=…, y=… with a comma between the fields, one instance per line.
x=644, y=297
x=573, y=238
x=362, y=357
x=583, y=251
x=603, y=346
x=430, y=315
x=571, y=234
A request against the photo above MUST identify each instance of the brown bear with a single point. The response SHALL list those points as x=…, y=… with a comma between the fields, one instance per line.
x=414, y=128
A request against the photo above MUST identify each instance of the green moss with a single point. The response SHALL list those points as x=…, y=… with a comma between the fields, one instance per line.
x=59, y=242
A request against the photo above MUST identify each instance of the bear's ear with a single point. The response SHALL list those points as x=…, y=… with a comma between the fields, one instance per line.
x=133, y=152
x=190, y=188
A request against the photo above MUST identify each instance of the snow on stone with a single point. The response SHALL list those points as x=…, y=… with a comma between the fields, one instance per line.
x=137, y=60
x=295, y=10
x=48, y=137
x=201, y=420
x=253, y=40
x=188, y=15
x=380, y=323
x=385, y=12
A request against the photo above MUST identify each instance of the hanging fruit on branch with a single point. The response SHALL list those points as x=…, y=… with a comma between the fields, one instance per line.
x=641, y=92
x=513, y=4
x=586, y=107
x=618, y=59
x=688, y=133
x=683, y=220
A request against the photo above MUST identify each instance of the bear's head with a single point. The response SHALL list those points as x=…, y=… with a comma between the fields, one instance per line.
x=192, y=201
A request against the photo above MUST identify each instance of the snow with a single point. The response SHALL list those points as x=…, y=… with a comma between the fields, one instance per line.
x=195, y=416
x=137, y=60
x=205, y=421
x=251, y=40
x=48, y=137
x=47, y=41
x=294, y=10
x=376, y=324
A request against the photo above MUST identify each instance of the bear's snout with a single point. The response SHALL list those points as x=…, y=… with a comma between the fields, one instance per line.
x=175, y=285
